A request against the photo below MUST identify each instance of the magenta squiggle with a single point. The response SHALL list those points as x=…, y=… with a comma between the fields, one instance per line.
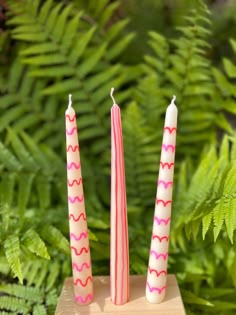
x=165, y=203
x=83, y=266
x=73, y=165
x=79, y=298
x=71, y=132
x=153, y=252
x=166, y=147
x=75, y=199
x=159, y=290
x=165, y=184
x=160, y=221
x=83, y=234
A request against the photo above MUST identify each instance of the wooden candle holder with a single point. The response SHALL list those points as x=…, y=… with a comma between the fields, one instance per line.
x=138, y=305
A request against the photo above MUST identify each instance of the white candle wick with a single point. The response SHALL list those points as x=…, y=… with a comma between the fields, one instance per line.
x=70, y=101
x=112, y=97
x=173, y=100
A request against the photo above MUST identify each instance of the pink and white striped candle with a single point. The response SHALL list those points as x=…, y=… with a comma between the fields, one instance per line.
x=119, y=246
x=80, y=251
x=157, y=267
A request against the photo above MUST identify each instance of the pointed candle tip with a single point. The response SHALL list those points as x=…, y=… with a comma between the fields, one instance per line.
x=112, y=97
x=70, y=101
x=173, y=100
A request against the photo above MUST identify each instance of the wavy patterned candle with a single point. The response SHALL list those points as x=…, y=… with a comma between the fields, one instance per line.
x=80, y=252
x=157, y=267
x=119, y=246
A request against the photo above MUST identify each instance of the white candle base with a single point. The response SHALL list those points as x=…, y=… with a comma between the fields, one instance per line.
x=138, y=305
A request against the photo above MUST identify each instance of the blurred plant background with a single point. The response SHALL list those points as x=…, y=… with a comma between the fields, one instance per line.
x=148, y=50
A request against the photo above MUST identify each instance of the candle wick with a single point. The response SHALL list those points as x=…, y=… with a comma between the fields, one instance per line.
x=112, y=97
x=70, y=101
x=173, y=100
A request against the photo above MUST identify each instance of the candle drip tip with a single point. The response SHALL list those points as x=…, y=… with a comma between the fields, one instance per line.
x=173, y=100
x=111, y=94
x=70, y=101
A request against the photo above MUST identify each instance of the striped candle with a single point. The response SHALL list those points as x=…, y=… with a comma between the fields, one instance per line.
x=80, y=252
x=157, y=267
x=119, y=246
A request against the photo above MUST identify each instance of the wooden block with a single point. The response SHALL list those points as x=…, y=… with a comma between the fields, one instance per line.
x=138, y=305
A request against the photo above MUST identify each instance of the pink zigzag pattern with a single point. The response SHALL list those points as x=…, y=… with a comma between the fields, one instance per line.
x=165, y=184
x=73, y=164
x=166, y=147
x=83, y=249
x=70, y=118
x=154, y=236
x=156, y=272
x=160, y=221
x=170, y=129
x=83, y=234
x=165, y=203
x=159, y=290
x=74, y=182
x=164, y=256
x=81, y=282
x=83, y=266
x=76, y=198
x=72, y=148
x=169, y=165
x=71, y=216
x=79, y=298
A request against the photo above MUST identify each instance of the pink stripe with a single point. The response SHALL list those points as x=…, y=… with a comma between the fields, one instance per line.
x=81, y=283
x=165, y=184
x=166, y=147
x=76, y=199
x=160, y=221
x=83, y=266
x=153, y=252
x=73, y=165
x=71, y=132
x=83, y=234
x=159, y=290
x=79, y=298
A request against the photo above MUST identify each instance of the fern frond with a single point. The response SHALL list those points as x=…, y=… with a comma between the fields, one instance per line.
x=35, y=244
x=12, y=252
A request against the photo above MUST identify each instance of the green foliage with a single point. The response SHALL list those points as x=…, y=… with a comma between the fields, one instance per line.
x=54, y=48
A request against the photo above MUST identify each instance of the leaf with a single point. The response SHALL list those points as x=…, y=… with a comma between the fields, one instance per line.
x=35, y=244
x=191, y=298
x=12, y=252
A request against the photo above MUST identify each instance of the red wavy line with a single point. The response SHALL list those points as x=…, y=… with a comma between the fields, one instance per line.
x=83, y=300
x=76, y=198
x=73, y=164
x=169, y=165
x=71, y=132
x=69, y=118
x=84, y=265
x=166, y=147
x=156, y=272
x=76, y=220
x=170, y=129
x=74, y=181
x=83, y=249
x=72, y=148
x=165, y=203
x=160, y=238
x=159, y=290
x=83, y=234
x=81, y=283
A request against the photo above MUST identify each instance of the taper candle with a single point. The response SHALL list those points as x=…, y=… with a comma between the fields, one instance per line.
x=80, y=251
x=119, y=246
x=157, y=267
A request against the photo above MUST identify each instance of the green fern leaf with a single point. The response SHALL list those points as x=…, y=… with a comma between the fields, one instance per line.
x=14, y=304
x=54, y=237
x=12, y=252
x=35, y=244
